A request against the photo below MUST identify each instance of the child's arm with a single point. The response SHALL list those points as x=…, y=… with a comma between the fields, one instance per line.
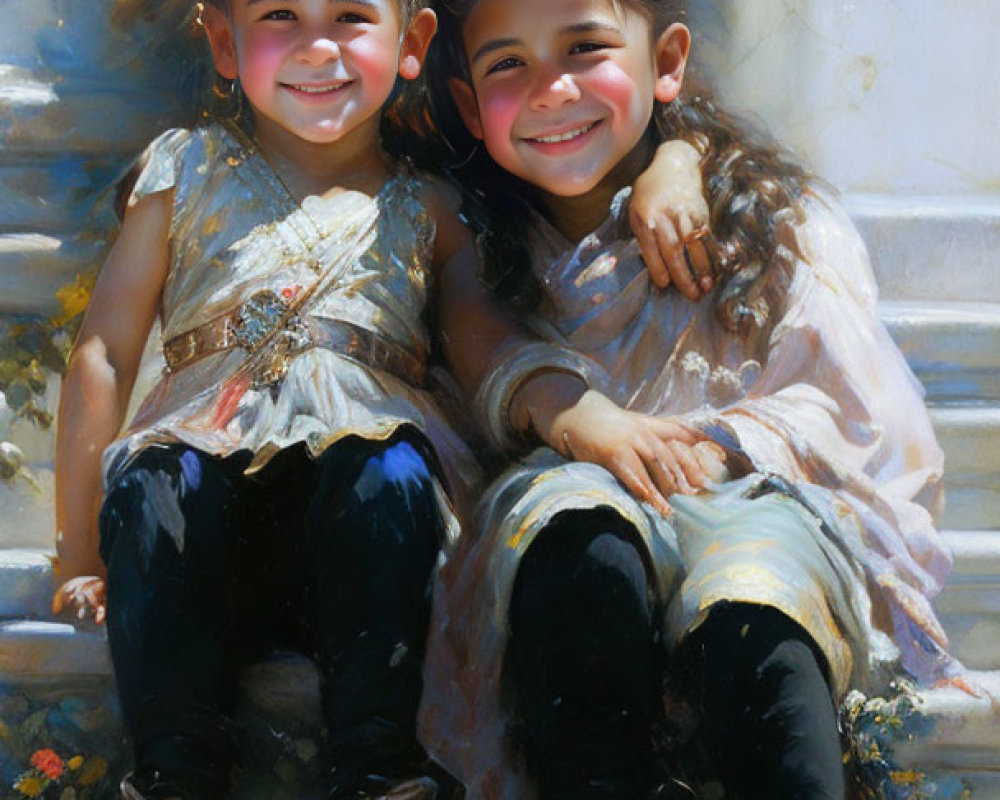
x=669, y=215
x=651, y=456
x=95, y=393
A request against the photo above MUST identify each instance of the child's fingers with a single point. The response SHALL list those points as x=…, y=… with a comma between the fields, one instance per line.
x=93, y=593
x=689, y=464
x=700, y=263
x=669, y=430
x=680, y=273
x=669, y=476
x=81, y=596
x=713, y=461
x=633, y=475
x=650, y=249
x=685, y=226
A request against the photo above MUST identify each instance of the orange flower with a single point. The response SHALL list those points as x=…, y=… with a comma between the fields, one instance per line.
x=48, y=763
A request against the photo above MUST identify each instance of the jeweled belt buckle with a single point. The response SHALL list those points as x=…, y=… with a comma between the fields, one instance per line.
x=257, y=317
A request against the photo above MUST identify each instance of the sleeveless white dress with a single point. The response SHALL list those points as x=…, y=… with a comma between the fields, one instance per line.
x=237, y=235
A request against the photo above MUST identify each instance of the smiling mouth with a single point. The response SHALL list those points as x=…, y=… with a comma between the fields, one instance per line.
x=567, y=136
x=326, y=88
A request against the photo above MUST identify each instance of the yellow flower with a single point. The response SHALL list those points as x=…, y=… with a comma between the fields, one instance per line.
x=75, y=762
x=93, y=771
x=906, y=777
x=73, y=299
x=29, y=786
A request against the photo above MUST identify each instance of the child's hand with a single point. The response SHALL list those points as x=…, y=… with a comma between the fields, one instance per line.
x=82, y=595
x=653, y=457
x=669, y=217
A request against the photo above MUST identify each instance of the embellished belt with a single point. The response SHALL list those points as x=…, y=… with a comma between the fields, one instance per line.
x=262, y=321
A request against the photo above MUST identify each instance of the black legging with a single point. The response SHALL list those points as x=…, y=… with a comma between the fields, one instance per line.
x=582, y=659
x=208, y=567
x=586, y=675
x=770, y=726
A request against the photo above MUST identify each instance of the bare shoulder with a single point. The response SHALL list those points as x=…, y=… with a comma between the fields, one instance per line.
x=438, y=194
x=442, y=201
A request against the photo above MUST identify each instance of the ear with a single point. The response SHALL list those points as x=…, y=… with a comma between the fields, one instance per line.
x=222, y=41
x=671, y=53
x=468, y=107
x=416, y=40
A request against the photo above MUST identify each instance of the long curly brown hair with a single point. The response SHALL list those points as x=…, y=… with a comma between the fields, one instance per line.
x=753, y=187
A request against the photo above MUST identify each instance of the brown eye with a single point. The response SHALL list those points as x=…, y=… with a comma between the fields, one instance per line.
x=279, y=15
x=587, y=47
x=505, y=64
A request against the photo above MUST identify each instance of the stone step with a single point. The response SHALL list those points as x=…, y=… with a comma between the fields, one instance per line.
x=44, y=648
x=84, y=123
x=954, y=348
x=26, y=584
x=70, y=38
x=944, y=736
x=969, y=606
x=56, y=194
x=966, y=733
x=935, y=744
x=34, y=266
x=940, y=247
x=969, y=437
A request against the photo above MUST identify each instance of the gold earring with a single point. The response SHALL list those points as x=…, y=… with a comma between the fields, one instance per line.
x=200, y=15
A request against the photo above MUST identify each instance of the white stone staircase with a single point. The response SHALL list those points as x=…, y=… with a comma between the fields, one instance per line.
x=936, y=260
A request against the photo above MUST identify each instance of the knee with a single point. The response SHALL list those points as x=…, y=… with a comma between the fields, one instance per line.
x=792, y=674
x=581, y=571
x=396, y=490
x=145, y=514
x=396, y=472
x=377, y=498
x=584, y=553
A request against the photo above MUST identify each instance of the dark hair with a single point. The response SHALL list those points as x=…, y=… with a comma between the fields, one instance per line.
x=752, y=187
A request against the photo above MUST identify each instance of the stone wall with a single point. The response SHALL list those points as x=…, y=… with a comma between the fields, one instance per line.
x=879, y=96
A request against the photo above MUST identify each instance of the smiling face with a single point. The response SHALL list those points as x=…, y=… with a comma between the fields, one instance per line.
x=563, y=91
x=318, y=69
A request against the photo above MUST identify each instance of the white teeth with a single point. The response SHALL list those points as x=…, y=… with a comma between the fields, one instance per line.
x=318, y=89
x=565, y=137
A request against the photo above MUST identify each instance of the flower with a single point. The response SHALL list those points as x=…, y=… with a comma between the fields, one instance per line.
x=47, y=762
x=30, y=786
x=95, y=769
x=73, y=300
x=75, y=762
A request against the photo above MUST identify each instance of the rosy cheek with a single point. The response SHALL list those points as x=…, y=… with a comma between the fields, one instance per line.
x=499, y=109
x=261, y=57
x=615, y=86
x=374, y=60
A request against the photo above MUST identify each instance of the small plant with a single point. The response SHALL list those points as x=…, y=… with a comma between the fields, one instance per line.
x=872, y=726
x=53, y=777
